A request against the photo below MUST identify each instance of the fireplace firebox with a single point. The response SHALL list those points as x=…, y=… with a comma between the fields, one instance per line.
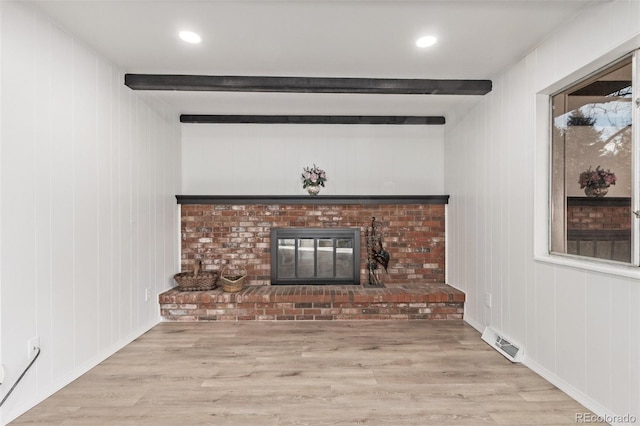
x=315, y=256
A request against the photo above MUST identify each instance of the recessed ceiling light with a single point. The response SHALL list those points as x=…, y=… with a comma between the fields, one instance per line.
x=426, y=41
x=190, y=37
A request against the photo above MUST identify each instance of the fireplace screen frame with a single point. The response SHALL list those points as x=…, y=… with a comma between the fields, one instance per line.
x=315, y=234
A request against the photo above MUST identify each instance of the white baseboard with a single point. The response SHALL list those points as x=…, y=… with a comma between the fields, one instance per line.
x=23, y=406
x=473, y=323
x=589, y=403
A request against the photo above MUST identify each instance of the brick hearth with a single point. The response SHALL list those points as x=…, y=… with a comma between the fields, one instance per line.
x=296, y=303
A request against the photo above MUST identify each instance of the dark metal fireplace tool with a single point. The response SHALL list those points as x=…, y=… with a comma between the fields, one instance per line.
x=376, y=255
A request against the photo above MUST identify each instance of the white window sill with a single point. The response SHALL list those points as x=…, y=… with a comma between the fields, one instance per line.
x=610, y=268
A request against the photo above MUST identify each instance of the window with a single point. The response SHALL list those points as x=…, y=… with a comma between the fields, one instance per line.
x=592, y=172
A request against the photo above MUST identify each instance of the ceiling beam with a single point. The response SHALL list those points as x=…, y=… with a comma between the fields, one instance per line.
x=306, y=84
x=603, y=88
x=312, y=119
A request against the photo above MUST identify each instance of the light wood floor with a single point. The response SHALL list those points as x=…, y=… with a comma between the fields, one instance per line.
x=308, y=373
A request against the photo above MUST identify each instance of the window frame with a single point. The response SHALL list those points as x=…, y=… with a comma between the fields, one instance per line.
x=556, y=206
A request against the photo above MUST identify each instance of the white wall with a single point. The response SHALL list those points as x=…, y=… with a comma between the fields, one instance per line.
x=88, y=174
x=580, y=326
x=267, y=159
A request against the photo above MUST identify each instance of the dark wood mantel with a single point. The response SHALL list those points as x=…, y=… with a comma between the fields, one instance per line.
x=599, y=201
x=317, y=200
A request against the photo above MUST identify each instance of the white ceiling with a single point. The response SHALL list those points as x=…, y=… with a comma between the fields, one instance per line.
x=331, y=38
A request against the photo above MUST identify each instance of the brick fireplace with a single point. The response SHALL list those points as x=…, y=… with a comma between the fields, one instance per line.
x=236, y=230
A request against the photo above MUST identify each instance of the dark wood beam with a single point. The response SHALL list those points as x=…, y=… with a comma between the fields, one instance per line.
x=603, y=88
x=306, y=84
x=313, y=119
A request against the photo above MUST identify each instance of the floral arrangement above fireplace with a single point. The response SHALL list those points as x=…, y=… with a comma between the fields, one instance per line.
x=596, y=182
x=313, y=178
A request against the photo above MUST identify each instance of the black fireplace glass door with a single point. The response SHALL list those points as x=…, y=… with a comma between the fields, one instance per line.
x=306, y=258
x=315, y=256
x=325, y=258
x=286, y=257
x=344, y=258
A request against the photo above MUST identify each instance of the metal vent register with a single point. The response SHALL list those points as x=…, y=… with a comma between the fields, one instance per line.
x=511, y=350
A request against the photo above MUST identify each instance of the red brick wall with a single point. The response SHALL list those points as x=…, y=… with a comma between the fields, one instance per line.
x=595, y=218
x=220, y=234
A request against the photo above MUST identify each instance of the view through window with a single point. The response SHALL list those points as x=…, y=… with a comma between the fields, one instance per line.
x=592, y=166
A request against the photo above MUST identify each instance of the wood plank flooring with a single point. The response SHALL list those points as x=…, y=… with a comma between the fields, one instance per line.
x=308, y=373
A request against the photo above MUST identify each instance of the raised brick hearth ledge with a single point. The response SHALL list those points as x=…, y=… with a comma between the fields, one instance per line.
x=301, y=302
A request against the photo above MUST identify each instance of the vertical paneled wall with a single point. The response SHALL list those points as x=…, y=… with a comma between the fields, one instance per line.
x=579, y=328
x=267, y=159
x=88, y=217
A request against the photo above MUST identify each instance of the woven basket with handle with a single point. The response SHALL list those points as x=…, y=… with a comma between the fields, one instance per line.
x=197, y=280
x=232, y=282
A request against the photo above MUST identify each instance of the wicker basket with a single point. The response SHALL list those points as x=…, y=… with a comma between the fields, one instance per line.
x=233, y=283
x=197, y=280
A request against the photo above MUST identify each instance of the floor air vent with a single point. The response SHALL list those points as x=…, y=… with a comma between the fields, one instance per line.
x=512, y=351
